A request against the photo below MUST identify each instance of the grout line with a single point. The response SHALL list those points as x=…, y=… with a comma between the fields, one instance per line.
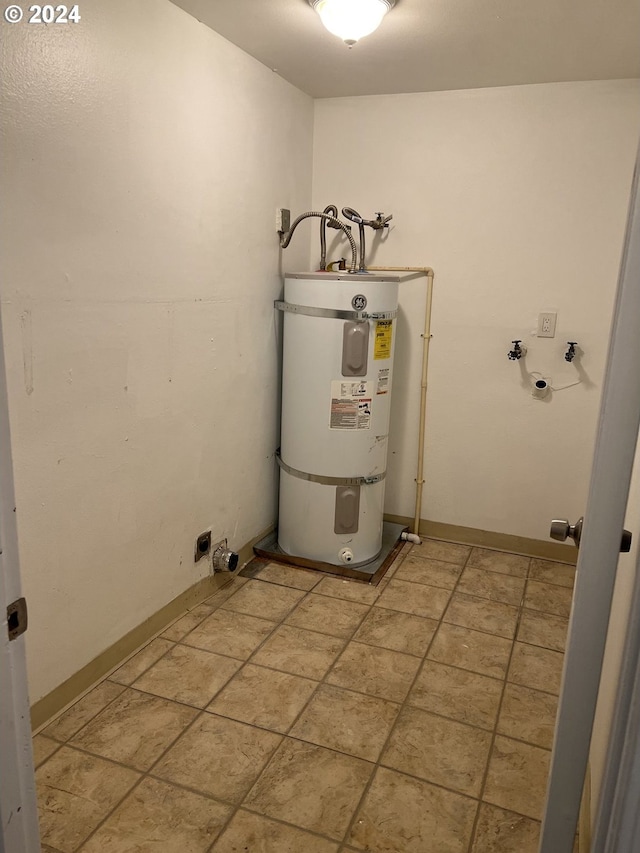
x=277, y=820
x=146, y=670
x=91, y=719
x=200, y=712
x=346, y=641
x=111, y=811
x=485, y=776
x=238, y=805
x=320, y=683
x=144, y=774
x=392, y=728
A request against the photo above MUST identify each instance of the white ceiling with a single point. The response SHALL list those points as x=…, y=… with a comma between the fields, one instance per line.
x=434, y=45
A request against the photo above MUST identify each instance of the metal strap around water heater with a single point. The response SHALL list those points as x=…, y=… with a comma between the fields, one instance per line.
x=329, y=481
x=335, y=313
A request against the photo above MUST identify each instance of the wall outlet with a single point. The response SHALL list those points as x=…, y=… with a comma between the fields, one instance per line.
x=203, y=546
x=283, y=220
x=547, y=324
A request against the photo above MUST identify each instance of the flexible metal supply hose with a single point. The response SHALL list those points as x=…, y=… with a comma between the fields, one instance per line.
x=285, y=237
x=333, y=210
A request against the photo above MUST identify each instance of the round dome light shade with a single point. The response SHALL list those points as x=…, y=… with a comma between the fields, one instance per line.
x=351, y=20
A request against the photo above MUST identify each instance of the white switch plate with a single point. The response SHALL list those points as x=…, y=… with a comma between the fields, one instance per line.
x=547, y=324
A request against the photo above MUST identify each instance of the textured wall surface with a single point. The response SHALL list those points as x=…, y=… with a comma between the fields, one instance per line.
x=517, y=197
x=143, y=159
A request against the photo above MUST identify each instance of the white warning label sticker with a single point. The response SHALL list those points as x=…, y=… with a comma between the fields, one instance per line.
x=382, y=386
x=351, y=405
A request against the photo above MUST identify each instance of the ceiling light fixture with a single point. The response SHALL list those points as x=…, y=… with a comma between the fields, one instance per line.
x=351, y=20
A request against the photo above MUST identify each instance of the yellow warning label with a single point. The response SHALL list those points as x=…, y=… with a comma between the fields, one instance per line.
x=382, y=345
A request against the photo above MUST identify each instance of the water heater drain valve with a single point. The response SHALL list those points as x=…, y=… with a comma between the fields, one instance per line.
x=346, y=555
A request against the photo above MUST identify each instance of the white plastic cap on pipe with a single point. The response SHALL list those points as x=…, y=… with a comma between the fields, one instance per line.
x=411, y=537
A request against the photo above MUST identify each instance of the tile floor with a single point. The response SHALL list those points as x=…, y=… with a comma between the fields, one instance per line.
x=296, y=712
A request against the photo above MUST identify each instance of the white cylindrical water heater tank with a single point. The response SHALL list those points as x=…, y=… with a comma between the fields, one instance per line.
x=339, y=337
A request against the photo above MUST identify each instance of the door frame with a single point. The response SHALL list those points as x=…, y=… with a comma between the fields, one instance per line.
x=18, y=808
x=616, y=442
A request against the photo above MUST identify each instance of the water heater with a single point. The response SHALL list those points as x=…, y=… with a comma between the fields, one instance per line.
x=338, y=345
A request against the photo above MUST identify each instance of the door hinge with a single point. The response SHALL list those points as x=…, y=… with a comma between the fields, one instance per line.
x=17, y=618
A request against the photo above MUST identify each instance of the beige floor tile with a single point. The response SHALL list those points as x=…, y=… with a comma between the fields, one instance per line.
x=535, y=667
x=378, y=672
x=405, y=815
x=257, y=834
x=157, y=816
x=438, y=750
x=328, y=615
x=549, y=597
x=299, y=652
x=187, y=623
x=264, y=697
x=75, y=792
x=311, y=787
x=551, y=572
x=188, y=675
x=483, y=653
x=416, y=598
x=517, y=777
x=230, y=633
x=219, y=757
x=78, y=715
x=401, y=632
x=492, y=585
x=457, y=693
x=265, y=600
x=348, y=590
x=219, y=597
x=492, y=617
x=135, y=729
x=543, y=629
x=528, y=715
x=288, y=576
x=141, y=661
x=43, y=747
x=499, y=831
x=499, y=561
x=435, y=549
x=347, y=722
x=44, y=848
x=432, y=572
x=402, y=555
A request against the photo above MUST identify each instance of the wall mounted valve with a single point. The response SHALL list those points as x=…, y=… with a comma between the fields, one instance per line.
x=381, y=221
x=570, y=354
x=517, y=352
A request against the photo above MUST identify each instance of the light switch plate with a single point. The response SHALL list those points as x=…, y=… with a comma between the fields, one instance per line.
x=547, y=324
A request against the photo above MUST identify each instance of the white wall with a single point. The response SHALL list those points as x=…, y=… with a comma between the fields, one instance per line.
x=517, y=197
x=143, y=159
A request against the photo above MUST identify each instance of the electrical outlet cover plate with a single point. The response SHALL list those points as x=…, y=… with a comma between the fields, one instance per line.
x=283, y=220
x=547, y=324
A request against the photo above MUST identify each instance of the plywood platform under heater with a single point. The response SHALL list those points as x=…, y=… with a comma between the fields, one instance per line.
x=372, y=572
